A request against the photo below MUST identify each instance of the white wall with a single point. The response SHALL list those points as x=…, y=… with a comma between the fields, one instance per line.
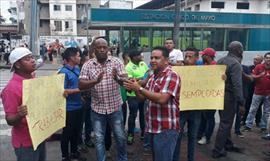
x=63, y=16
x=255, y=6
x=121, y=4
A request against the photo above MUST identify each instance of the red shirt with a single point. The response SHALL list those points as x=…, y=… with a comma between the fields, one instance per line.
x=161, y=117
x=213, y=62
x=105, y=96
x=262, y=85
x=12, y=98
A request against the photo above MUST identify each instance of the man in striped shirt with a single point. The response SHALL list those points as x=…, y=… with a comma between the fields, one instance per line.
x=163, y=92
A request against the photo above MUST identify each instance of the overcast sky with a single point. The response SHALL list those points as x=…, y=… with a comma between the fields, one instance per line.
x=5, y=4
x=136, y=3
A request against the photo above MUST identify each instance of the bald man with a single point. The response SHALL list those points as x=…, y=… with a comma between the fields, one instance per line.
x=233, y=97
x=102, y=75
x=249, y=89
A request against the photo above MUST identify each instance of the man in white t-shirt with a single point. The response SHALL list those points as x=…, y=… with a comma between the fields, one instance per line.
x=176, y=56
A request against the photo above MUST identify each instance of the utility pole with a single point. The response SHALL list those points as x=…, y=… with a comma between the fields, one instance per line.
x=176, y=23
x=33, y=27
x=88, y=6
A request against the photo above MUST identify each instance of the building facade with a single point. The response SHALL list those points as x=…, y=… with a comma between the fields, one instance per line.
x=63, y=17
x=229, y=6
x=199, y=29
x=118, y=4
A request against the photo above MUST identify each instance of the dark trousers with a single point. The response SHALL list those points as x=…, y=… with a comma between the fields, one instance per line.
x=86, y=121
x=207, y=124
x=50, y=56
x=237, y=123
x=223, y=138
x=192, y=118
x=71, y=132
x=124, y=110
x=134, y=106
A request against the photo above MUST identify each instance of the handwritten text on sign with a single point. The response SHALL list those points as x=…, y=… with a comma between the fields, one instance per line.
x=202, y=87
x=46, y=106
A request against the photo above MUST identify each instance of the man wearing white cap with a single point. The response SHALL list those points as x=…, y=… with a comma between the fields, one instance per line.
x=23, y=64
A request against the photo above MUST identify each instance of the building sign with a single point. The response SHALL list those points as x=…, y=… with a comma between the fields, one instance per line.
x=188, y=17
x=143, y=16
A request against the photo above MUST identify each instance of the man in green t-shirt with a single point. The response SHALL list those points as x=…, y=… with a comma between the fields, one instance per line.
x=136, y=68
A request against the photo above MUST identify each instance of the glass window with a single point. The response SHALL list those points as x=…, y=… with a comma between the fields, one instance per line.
x=68, y=26
x=242, y=5
x=58, y=25
x=68, y=8
x=56, y=7
x=213, y=38
x=197, y=7
x=237, y=35
x=217, y=4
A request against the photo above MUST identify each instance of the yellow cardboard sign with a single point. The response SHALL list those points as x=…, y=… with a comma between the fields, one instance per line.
x=46, y=106
x=202, y=87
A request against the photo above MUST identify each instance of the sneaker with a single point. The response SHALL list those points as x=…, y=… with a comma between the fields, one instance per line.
x=66, y=159
x=130, y=139
x=234, y=149
x=263, y=130
x=82, y=148
x=240, y=135
x=77, y=157
x=202, y=141
x=218, y=154
x=247, y=129
x=108, y=154
x=142, y=136
x=266, y=153
x=266, y=137
x=147, y=152
x=90, y=144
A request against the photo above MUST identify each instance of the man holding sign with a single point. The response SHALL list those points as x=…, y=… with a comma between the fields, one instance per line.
x=23, y=64
x=191, y=117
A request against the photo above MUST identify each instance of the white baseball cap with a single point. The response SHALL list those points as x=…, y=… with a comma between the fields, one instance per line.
x=17, y=54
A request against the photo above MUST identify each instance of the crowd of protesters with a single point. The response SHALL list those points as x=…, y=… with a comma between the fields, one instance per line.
x=101, y=88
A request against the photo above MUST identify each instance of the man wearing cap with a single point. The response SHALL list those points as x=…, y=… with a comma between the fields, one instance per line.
x=23, y=64
x=175, y=56
x=208, y=56
x=136, y=68
x=207, y=124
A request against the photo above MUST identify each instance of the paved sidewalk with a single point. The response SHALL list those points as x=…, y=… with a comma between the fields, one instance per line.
x=252, y=143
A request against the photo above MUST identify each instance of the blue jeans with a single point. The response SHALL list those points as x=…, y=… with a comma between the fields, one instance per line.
x=99, y=123
x=163, y=145
x=207, y=124
x=193, y=119
x=256, y=101
x=28, y=154
x=135, y=105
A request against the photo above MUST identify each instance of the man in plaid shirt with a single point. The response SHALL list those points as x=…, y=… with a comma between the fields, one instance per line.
x=103, y=75
x=163, y=92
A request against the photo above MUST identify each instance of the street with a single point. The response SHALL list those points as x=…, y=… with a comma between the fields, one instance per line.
x=253, y=144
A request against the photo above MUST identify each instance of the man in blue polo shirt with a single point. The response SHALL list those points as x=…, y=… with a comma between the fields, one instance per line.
x=74, y=105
